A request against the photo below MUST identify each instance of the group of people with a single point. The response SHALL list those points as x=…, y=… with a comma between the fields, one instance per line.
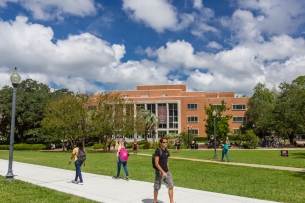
x=162, y=172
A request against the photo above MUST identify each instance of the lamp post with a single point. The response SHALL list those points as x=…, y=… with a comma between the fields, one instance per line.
x=214, y=115
x=15, y=79
x=188, y=135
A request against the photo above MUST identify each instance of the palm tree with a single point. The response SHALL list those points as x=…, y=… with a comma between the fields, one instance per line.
x=148, y=120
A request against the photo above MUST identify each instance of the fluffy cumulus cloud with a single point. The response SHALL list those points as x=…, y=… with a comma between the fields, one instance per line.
x=157, y=14
x=55, y=9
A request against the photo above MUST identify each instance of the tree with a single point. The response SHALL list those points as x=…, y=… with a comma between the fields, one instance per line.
x=146, y=122
x=31, y=99
x=260, y=110
x=290, y=109
x=68, y=117
x=222, y=121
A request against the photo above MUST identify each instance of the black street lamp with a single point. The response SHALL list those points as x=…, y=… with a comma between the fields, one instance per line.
x=188, y=135
x=15, y=78
x=214, y=115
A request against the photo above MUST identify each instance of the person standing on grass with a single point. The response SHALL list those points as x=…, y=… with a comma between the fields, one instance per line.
x=225, y=151
x=135, y=146
x=162, y=172
x=78, y=164
x=121, y=162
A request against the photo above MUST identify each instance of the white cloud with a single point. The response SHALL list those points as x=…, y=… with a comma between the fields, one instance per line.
x=214, y=45
x=198, y=4
x=55, y=9
x=157, y=14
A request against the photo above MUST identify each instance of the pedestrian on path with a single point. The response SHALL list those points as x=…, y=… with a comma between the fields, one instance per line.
x=121, y=161
x=77, y=163
x=162, y=172
x=135, y=146
x=225, y=151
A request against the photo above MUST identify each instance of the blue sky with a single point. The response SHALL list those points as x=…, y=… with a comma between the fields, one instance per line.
x=103, y=45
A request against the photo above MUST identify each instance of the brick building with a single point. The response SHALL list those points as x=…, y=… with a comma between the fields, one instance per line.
x=179, y=109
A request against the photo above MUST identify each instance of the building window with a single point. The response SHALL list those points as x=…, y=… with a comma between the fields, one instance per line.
x=140, y=106
x=194, y=131
x=237, y=107
x=144, y=95
x=173, y=115
x=124, y=96
x=236, y=131
x=216, y=106
x=239, y=119
x=151, y=108
x=192, y=119
x=164, y=95
x=192, y=106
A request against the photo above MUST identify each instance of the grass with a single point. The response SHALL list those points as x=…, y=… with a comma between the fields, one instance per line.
x=267, y=184
x=296, y=158
x=19, y=191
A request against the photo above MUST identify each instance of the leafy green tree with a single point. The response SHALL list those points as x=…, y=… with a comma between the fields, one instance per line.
x=222, y=120
x=289, y=109
x=146, y=122
x=31, y=99
x=260, y=110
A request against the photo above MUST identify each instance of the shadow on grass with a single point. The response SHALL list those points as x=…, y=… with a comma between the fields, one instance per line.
x=297, y=155
x=299, y=175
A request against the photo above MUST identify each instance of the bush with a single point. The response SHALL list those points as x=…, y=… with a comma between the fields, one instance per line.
x=98, y=146
x=146, y=145
x=246, y=145
x=201, y=139
x=129, y=145
x=141, y=142
x=24, y=147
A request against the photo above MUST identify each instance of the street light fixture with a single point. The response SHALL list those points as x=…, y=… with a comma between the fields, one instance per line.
x=214, y=115
x=15, y=79
x=188, y=135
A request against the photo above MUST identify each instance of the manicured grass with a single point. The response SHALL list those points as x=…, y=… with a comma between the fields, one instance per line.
x=296, y=158
x=268, y=184
x=19, y=191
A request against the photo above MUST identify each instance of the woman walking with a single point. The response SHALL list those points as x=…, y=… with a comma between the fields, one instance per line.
x=122, y=155
x=77, y=153
x=225, y=150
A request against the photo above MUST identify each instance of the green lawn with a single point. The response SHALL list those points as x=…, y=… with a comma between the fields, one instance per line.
x=19, y=191
x=296, y=158
x=268, y=184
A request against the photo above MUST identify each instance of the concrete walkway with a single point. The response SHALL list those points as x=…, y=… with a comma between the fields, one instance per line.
x=107, y=190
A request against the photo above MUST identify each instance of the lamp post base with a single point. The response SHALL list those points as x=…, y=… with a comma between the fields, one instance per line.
x=215, y=156
x=9, y=177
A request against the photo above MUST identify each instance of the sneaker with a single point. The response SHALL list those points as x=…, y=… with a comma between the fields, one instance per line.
x=81, y=183
x=74, y=181
x=115, y=177
x=127, y=178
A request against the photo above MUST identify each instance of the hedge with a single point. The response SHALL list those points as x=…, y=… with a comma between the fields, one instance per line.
x=24, y=147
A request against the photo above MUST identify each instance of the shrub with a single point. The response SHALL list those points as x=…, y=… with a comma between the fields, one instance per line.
x=98, y=146
x=24, y=147
x=201, y=139
x=141, y=142
x=146, y=145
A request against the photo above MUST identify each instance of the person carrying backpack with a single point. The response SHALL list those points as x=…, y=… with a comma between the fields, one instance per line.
x=122, y=155
x=225, y=151
x=79, y=157
x=162, y=171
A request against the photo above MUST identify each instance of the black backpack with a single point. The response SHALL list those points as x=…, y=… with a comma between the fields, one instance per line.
x=81, y=156
x=153, y=159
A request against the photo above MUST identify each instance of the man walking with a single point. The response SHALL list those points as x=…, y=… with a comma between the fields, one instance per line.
x=162, y=172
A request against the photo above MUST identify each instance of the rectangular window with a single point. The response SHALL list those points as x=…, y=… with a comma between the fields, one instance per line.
x=239, y=119
x=140, y=106
x=194, y=131
x=124, y=96
x=164, y=95
x=173, y=115
x=151, y=108
x=192, y=119
x=237, y=107
x=216, y=106
x=236, y=131
x=144, y=95
x=192, y=106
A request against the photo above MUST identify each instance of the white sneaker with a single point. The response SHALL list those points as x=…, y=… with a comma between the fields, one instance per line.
x=81, y=183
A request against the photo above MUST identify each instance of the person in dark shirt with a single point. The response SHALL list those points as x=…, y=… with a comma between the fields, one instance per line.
x=162, y=172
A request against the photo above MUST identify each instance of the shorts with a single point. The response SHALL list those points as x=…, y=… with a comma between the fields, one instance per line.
x=135, y=148
x=167, y=180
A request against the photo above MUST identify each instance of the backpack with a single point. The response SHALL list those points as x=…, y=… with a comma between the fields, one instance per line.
x=81, y=156
x=153, y=159
x=123, y=155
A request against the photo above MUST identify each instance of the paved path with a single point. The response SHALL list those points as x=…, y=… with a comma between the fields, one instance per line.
x=105, y=189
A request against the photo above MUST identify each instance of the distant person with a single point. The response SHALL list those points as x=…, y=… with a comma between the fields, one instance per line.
x=122, y=160
x=178, y=145
x=135, y=146
x=225, y=151
x=76, y=152
x=52, y=146
x=162, y=172
x=63, y=146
